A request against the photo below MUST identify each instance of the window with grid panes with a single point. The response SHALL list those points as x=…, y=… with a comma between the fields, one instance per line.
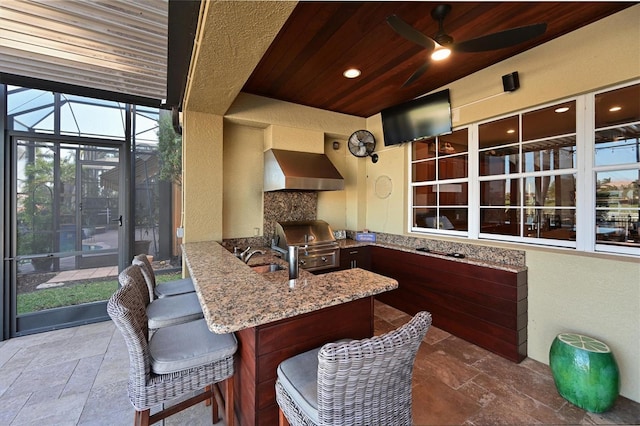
x=527, y=173
x=616, y=169
x=564, y=175
x=440, y=183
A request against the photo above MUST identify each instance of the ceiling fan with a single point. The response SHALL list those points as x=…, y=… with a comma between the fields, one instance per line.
x=442, y=44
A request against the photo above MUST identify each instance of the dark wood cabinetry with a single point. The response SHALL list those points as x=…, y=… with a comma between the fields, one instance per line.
x=483, y=305
x=263, y=347
x=355, y=257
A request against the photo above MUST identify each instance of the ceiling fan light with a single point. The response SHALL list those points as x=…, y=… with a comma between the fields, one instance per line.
x=352, y=73
x=440, y=53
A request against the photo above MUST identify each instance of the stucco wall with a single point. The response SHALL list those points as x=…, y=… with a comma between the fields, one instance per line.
x=202, y=176
x=387, y=214
x=332, y=205
x=599, y=297
x=242, y=177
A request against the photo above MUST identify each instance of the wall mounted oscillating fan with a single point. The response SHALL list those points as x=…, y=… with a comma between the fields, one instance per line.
x=362, y=144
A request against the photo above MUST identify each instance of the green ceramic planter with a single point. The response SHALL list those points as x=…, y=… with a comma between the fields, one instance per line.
x=585, y=371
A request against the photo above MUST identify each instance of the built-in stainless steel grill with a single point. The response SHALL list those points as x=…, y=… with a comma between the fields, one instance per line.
x=318, y=248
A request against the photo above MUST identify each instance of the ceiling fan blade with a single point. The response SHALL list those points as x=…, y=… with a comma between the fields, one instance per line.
x=416, y=74
x=501, y=39
x=410, y=33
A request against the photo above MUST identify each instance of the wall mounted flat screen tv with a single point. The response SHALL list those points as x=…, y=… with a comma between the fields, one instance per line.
x=420, y=118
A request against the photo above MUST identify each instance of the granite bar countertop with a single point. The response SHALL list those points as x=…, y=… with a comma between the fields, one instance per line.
x=234, y=296
x=468, y=259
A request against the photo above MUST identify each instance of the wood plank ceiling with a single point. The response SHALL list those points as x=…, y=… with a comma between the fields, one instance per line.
x=320, y=40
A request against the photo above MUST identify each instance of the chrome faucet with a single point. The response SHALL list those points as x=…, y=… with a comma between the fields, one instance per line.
x=246, y=257
x=240, y=255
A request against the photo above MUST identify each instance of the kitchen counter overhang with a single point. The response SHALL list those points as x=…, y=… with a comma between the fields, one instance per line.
x=235, y=297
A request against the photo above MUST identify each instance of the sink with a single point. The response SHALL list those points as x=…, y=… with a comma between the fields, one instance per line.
x=270, y=267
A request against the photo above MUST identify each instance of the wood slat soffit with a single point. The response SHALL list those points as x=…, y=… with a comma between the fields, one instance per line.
x=118, y=46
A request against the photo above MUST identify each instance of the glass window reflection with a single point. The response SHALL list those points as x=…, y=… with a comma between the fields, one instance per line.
x=554, y=154
x=548, y=122
x=617, y=146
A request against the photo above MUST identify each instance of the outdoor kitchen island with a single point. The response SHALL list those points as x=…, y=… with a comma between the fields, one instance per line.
x=274, y=319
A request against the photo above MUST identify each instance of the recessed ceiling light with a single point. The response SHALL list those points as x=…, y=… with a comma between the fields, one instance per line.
x=615, y=108
x=562, y=109
x=511, y=131
x=352, y=73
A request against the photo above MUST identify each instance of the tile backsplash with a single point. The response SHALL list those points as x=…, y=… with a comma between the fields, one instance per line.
x=283, y=206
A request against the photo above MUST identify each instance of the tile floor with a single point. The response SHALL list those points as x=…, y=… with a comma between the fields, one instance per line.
x=78, y=376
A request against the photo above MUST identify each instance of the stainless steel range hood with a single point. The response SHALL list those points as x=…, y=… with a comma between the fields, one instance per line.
x=301, y=171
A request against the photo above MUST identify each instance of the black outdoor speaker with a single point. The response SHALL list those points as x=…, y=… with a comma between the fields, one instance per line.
x=511, y=82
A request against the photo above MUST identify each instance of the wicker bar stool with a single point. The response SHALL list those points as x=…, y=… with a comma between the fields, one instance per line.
x=356, y=382
x=166, y=311
x=170, y=288
x=176, y=361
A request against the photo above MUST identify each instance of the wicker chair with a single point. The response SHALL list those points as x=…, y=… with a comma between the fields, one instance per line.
x=357, y=382
x=170, y=288
x=176, y=361
x=168, y=310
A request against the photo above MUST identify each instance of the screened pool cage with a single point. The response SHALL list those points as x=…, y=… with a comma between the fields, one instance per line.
x=67, y=160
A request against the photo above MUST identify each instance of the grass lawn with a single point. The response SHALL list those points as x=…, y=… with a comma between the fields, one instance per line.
x=82, y=292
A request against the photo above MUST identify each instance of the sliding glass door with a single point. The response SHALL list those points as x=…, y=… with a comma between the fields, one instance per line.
x=68, y=223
